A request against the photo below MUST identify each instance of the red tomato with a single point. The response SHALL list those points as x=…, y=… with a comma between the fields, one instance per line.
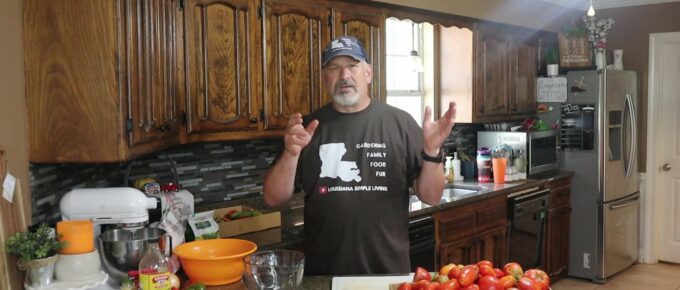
x=489, y=283
x=513, y=269
x=507, y=281
x=454, y=272
x=541, y=278
x=525, y=283
x=421, y=274
x=433, y=286
x=485, y=263
x=405, y=286
x=471, y=287
x=452, y=284
x=499, y=273
x=468, y=275
x=420, y=285
x=485, y=270
x=444, y=270
x=441, y=279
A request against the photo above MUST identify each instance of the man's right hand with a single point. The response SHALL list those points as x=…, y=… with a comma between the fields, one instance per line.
x=297, y=136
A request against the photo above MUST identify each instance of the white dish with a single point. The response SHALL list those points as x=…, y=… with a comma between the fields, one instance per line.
x=368, y=282
x=95, y=281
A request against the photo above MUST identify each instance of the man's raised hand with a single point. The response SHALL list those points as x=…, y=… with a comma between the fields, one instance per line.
x=297, y=136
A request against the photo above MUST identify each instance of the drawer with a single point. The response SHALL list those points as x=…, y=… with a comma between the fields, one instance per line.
x=453, y=227
x=561, y=182
x=559, y=197
x=492, y=213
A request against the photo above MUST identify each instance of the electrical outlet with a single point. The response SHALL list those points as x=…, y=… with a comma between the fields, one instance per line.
x=586, y=260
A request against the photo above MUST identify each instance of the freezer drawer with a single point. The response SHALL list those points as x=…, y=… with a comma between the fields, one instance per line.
x=621, y=235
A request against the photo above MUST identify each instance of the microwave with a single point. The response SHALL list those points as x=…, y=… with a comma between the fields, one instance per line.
x=539, y=148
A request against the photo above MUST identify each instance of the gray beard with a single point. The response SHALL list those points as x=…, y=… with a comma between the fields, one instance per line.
x=346, y=100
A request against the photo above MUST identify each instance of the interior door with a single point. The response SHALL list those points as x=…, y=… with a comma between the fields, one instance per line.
x=664, y=158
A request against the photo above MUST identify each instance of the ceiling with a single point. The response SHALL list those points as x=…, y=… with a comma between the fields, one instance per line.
x=603, y=4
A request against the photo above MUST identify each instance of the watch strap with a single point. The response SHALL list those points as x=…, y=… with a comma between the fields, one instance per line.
x=436, y=159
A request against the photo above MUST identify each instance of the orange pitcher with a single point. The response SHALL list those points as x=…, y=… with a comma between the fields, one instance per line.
x=78, y=235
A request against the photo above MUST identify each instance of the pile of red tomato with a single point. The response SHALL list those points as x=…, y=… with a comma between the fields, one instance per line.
x=480, y=276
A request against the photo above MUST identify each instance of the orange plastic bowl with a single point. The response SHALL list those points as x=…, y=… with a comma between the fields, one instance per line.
x=214, y=262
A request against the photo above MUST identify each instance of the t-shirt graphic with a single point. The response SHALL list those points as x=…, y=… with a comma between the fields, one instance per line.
x=332, y=166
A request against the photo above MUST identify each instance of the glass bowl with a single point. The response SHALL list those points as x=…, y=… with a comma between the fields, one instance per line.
x=278, y=269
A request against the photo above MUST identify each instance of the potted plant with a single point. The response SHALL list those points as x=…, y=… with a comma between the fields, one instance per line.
x=552, y=61
x=37, y=252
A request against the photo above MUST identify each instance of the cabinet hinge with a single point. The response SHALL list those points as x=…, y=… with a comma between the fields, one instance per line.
x=262, y=115
x=129, y=125
x=184, y=117
x=330, y=20
x=260, y=12
x=180, y=4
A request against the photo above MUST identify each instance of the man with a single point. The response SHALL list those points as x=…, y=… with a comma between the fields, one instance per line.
x=356, y=158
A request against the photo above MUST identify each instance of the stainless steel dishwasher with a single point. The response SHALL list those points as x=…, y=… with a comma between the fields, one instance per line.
x=527, y=219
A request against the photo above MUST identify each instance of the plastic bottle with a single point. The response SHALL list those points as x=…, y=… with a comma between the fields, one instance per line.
x=154, y=270
x=448, y=169
x=456, y=167
x=484, y=165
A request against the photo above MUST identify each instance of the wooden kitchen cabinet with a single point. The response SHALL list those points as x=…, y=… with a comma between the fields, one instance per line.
x=367, y=24
x=295, y=35
x=473, y=232
x=491, y=72
x=223, y=50
x=523, y=71
x=100, y=78
x=557, y=229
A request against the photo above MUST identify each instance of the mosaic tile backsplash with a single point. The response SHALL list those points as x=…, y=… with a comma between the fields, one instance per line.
x=213, y=172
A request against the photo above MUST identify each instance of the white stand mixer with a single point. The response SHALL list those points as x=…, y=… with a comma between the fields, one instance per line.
x=125, y=207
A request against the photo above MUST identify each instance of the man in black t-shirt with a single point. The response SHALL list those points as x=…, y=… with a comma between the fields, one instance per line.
x=356, y=158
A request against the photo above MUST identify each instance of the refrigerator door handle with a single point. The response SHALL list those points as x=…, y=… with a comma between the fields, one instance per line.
x=633, y=131
x=633, y=202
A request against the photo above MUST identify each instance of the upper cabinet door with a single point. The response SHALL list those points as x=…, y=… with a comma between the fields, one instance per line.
x=150, y=65
x=491, y=73
x=367, y=24
x=221, y=65
x=296, y=34
x=524, y=65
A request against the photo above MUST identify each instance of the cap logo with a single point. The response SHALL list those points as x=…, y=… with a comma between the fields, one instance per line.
x=344, y=46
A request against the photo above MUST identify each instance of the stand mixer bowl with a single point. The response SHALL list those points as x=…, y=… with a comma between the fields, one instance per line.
x=122, y=249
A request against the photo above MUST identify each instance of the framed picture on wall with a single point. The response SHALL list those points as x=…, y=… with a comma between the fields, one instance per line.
x=576, y=52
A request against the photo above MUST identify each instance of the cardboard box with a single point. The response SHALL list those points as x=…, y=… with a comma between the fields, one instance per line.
x=246, y=225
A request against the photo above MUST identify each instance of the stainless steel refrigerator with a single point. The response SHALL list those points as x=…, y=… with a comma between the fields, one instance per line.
x=598, y=138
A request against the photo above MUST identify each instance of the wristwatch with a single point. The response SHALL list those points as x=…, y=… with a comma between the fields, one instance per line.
x=435, y=159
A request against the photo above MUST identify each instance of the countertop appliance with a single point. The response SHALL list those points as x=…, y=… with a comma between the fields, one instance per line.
x=598, y=124
x=539, y=147
x=527, y=216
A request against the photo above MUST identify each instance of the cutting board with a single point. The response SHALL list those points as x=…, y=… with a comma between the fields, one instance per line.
x=368, y=282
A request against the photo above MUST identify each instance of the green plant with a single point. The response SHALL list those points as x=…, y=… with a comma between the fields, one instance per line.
x=551, y=55
x=33, y=245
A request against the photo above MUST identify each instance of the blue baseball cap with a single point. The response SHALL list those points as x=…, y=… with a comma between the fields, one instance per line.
x=344, y=46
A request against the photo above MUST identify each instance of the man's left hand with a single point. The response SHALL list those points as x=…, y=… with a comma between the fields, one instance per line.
x=436, y=132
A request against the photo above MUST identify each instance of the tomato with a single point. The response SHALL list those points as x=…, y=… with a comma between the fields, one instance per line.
x=444, y=270
x=507, y=281
x=420, y=285
x=468, y=275
x=489, y=283
x=452, y=284
x=485, y=270
x=471, y=287
x=421, y=274
x=454, y=272
x=499, y=273
x=541, y=278
x=441, y=279
x=526, y=283
x=405, y=286
x=485, y=263
x=433, y=286
x=513, y=269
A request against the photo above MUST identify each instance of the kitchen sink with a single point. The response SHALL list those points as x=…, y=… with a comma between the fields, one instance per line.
x=458, y=190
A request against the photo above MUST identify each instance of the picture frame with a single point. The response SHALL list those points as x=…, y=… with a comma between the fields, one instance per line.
x=576, y=51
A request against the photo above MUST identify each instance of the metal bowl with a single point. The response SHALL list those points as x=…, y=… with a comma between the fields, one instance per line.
x=122, y=249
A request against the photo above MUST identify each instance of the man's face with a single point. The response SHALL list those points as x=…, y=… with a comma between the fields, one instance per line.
x=347, y=80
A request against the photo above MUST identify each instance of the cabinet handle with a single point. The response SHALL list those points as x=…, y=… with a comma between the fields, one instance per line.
x=514, y=109
x=481, y=109
x=253, y=120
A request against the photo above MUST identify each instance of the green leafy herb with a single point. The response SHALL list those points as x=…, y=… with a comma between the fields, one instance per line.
x=33, y=245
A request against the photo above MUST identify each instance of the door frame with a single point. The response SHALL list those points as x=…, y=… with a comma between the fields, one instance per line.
x=650, y=228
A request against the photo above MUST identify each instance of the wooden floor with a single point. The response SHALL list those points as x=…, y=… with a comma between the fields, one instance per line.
x=660, y=276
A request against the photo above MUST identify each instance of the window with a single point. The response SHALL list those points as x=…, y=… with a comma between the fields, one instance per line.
x=408, y=49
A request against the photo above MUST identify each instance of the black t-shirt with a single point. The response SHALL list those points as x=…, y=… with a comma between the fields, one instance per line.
x=356, y=173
